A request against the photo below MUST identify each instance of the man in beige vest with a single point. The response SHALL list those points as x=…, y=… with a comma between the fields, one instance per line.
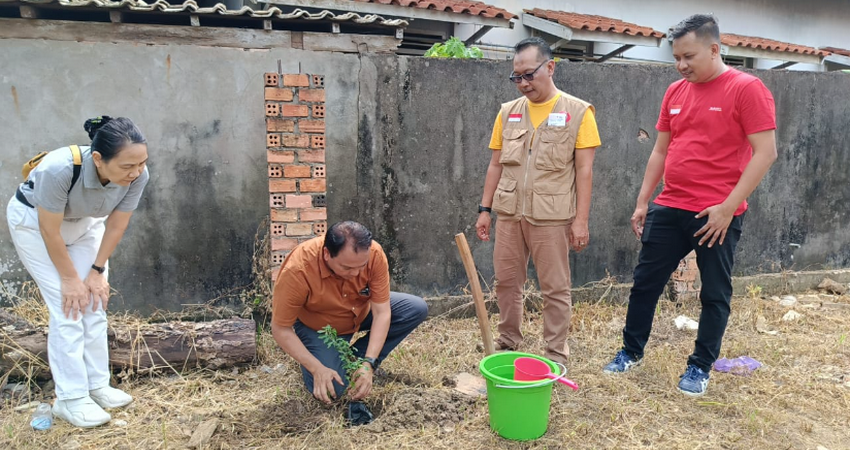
x=539, y=182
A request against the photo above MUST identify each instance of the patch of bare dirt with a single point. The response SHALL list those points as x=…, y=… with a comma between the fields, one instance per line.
x=417, y=408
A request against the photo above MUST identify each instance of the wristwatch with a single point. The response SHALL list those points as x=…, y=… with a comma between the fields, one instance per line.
x=371, y=362
x=98, y=269
x=482, y=209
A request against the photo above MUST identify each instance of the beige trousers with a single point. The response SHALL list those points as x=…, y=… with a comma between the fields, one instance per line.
x=549, y=249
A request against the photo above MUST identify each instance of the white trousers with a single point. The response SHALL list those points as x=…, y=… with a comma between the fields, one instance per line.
x=76, y=349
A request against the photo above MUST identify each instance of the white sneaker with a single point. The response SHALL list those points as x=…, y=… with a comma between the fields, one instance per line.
x=109, y=397
x=81, y=412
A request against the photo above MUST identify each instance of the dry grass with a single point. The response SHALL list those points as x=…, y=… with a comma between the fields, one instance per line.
x=799, y=400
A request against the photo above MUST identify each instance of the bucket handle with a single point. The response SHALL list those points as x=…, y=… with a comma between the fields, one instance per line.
x=542, y=383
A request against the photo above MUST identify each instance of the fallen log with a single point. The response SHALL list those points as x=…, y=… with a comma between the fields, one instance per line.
x=134, y=348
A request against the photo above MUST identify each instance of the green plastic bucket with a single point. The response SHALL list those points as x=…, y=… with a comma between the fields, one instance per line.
x=519, y=410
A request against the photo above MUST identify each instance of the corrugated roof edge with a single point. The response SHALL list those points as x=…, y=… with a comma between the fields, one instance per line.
x=192, y=7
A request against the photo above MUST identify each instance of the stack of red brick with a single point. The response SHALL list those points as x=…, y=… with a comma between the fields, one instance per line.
x=295, y=141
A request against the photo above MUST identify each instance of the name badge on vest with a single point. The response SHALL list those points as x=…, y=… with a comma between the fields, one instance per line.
x=558, y=119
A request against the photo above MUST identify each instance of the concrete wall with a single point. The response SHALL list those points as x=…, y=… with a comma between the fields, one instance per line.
x=201, y=109
x=422, y=155
x=406, y=154
x=815, y=23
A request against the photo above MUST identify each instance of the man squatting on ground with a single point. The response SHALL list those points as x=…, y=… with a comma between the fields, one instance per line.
x=341, y=280
x=716, y=141
x=539, y=182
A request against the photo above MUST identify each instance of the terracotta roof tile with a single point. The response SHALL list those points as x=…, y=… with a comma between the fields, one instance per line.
x=472, y=8
x=735, y=40
x=594, y=23
x=837, y=51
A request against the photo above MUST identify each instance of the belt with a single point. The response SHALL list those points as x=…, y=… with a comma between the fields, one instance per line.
x=22, y=198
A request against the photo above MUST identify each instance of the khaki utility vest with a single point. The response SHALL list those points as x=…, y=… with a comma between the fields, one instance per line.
x=538, y=166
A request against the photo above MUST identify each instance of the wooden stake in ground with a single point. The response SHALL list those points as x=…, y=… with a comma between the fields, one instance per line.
x=477, y=294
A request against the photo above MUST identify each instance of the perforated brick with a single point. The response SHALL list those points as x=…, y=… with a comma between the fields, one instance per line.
x=272, y=79
x=317, y=141
x=276, y=200
x=277, y=258
x=319, y=111
x=318, y=171
x=275, y=171
x=318, y=81
x=272, y=109
x=278, y=229
x=272, y=140
x=320, y=201
x=320, y=228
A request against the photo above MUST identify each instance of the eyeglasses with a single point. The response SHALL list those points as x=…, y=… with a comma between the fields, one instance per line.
x=527, y=76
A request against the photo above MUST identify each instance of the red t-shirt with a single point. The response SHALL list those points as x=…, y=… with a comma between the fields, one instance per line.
x=708, y=125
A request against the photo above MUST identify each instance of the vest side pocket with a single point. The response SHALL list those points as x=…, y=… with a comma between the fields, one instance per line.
x=505, y=198
x=513, y=146
x=549, y=201
x=554, y=150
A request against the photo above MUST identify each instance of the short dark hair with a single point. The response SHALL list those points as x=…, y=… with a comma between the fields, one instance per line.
x=108, y=136
x=543, y=49
x=348, y=232
x=703, y=25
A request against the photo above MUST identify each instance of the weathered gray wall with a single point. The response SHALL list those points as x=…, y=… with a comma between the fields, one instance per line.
x=201, y=109
x=422, y=153
x=407, y=151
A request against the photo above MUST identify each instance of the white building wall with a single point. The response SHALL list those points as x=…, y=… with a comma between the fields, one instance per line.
x=814, y=23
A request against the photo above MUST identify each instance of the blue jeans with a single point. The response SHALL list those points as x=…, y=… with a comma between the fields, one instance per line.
x=408, y=311
x=668, y=236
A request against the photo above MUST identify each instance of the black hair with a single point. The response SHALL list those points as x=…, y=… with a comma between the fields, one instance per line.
x=109, y=135
x=543, y=50
x=348, y=232
x=703, y=25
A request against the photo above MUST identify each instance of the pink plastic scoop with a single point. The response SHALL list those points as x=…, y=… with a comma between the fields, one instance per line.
x=532, y=369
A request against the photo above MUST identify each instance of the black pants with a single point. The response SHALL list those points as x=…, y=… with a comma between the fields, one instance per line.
x=668, y=236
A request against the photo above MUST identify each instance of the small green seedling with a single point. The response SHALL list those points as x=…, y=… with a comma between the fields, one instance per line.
x=350, y=362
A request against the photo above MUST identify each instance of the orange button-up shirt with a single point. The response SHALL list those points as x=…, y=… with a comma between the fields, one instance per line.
x=307, y=290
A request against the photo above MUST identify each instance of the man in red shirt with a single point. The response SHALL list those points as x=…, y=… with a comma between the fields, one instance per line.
x=716, y=141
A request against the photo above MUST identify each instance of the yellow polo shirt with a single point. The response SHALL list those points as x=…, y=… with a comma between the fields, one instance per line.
x=588, y=134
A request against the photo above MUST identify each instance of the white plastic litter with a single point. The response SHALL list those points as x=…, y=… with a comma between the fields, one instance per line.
x=686, y=323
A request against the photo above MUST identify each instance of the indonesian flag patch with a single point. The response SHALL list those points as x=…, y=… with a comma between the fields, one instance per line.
x=514, y=117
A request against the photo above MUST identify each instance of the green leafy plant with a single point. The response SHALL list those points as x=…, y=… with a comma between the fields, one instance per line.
x=350, y=362
x=454, y=48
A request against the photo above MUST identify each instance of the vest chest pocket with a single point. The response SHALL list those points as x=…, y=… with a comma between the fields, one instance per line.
x=513, y=146
x=554, y=151
x=505, y=198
